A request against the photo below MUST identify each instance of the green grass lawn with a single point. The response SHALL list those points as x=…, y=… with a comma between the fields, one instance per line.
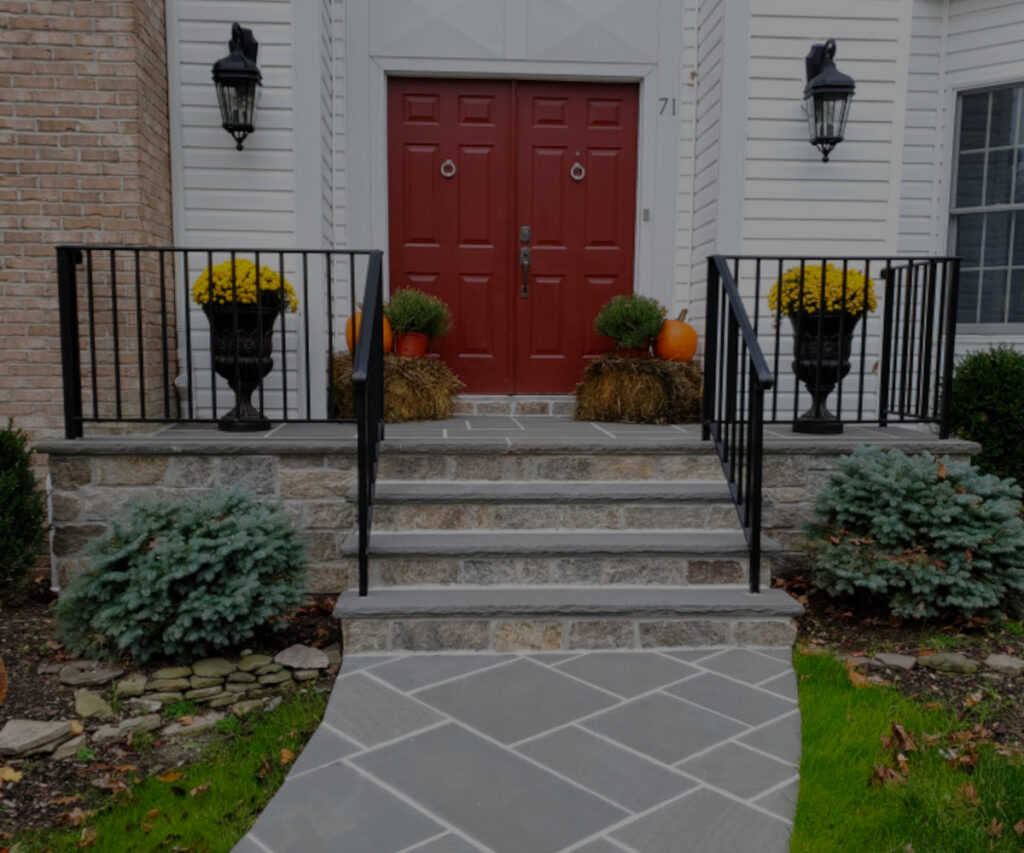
x=932, y=811
x=205, y=807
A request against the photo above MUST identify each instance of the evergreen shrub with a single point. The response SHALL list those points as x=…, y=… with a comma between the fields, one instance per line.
x=631, y=321
x=929, y=537
x=183, y=579
x=987, y=406
x=22, y=509
x=412, y=310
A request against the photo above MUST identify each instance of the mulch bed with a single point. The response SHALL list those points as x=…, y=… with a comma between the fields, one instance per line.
x=50, y=789
x=857, y=630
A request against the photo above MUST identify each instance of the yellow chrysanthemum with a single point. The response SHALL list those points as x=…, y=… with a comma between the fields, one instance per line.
x=236, y=282
x=804, y=293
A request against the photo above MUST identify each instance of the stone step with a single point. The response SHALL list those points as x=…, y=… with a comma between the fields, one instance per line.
x=475, y=505
x=653, y=459
x=505, y=618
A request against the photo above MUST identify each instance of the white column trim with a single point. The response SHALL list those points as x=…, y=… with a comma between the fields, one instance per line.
x=732, y=127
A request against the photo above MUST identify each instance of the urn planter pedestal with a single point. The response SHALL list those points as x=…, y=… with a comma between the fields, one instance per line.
x=821, y=349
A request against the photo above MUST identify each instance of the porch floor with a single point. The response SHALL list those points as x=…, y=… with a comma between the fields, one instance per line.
x=594, y=752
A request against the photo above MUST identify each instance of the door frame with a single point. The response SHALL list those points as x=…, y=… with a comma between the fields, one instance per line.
x=365, y=124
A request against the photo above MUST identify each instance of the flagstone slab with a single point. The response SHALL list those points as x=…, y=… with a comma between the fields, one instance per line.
x=780, y=738
x=628, y=674
x=416, y=671
x=751, y=667
x=728, y=697
x=738, y=770
x=370, y=713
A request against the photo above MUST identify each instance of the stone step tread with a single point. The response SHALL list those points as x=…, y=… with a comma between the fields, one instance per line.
x=569, y=542
x=542, y=491
x=569, y=601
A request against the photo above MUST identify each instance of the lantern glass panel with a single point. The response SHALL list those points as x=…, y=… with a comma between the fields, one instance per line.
x=237, y=103
x=826, y=116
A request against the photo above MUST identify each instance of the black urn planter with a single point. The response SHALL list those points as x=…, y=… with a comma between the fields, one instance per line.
x=241, y=354
x=821, y=348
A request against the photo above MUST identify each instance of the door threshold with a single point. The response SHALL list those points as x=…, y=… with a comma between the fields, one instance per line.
x=514, y=404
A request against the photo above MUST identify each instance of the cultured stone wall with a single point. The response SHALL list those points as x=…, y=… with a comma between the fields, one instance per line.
x=91, y=489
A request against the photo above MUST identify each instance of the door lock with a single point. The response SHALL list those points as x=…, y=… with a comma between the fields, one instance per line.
x=524, y=263
x=525, y=235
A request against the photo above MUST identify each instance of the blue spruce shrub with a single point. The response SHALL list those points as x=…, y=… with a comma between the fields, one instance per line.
x=930, y=537
x=184, y=579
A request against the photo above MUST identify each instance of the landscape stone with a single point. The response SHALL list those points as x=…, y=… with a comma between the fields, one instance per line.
x=166, y=698
x=333, y=652
x=953, y=662
x=203, y=692
x=21, y=737
x=198, y=724
x=80, y=673
x=172, y=672
x=305, y=674
x=147, y=723
x=205, y=681
x=242, y=677
x=212, y=667
x=133, y=684
x=275, y=677
x=105, y=734
x=904, y=662
x=90, y=704
x=222, y=701
x=245, y=707
x=163, y=685
x=69, y=749
x=144, y=705
x=250, y=662
x=1006, y=664
x=300, y=656
x=273, y=703
x=268, y=669
x=50, y=667
x=238, y=687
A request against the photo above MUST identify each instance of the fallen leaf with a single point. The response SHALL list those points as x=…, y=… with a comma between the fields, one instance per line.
x=186, y=720
x=89, y=836
x=942, y=471
x=264, y=769
x=995, y=829
x=287, y=756
x=933, y=706
x=909, y=848
x=970, y=793
x=199, y=789
x=76, y=727
x=972, y=700
x=9, y=774
x=1018, y=827
x=901, y=760
x=146, y=827
x=169, y=776
x=857, y=679
x=905, y=741
x=124, y=768
x=64, y=801
x=152, y=814
x=886, y=775
x=75, y=817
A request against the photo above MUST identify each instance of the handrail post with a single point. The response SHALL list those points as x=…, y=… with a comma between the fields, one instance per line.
x=755, y=496
x=884, y=367
x=953, y=297
x=67, y=300
x=710, y=348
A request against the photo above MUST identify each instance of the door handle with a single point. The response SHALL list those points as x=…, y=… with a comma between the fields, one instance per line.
x=524, y=263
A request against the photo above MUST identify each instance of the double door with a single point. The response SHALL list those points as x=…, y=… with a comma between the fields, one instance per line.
x=514, y=202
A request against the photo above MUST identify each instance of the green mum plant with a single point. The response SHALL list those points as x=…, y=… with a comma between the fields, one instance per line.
x=412, y=310
x=631, y=321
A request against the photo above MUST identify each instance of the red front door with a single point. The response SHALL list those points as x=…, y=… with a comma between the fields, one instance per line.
x=480, y=171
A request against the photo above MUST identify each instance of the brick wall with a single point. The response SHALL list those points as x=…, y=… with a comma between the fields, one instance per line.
x=83, y=159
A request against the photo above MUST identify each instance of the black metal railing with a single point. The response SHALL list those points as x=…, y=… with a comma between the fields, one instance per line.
x=131, y=352
x=136, y=350
x=846, y=361
x=736, y=379
x=368, y=403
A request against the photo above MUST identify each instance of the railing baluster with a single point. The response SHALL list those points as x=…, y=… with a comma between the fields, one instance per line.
x=138, y=328
x=165, y=358
x=92, y=334
x=117, y=339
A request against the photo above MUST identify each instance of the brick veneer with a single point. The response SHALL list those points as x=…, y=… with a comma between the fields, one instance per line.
x=84, y=158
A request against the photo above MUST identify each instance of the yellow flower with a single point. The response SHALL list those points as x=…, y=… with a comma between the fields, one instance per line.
x=236, y=282
x=805, y=293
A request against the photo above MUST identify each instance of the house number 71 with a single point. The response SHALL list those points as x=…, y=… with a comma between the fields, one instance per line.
x=664, y=105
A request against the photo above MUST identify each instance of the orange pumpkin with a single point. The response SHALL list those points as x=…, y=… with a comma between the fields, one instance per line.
x=677, y=340
x=351, y=337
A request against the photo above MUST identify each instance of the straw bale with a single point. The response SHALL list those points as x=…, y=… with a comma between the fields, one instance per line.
x=640, y=391
x=415, y=389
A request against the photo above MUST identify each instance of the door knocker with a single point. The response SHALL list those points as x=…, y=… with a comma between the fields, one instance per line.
x=448, y=169
x=577, y=172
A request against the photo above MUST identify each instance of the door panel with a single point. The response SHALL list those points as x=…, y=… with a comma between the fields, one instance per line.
x=451, y=236
x=514, y=146
x=582, y=228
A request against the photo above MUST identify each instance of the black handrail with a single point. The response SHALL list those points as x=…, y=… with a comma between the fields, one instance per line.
x=368, y=403
x=736, y=377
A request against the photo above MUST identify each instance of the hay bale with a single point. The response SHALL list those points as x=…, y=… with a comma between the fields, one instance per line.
x=640, y=391
x=415, y=389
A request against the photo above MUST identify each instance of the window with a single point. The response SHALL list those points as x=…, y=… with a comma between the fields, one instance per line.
x=988, y=206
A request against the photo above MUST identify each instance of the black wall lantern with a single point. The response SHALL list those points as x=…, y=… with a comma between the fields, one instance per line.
x=236, y=77
x=827, y=98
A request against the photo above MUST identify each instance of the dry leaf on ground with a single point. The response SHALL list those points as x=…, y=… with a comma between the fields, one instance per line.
x=199, y=790
x=169, y=776
x=886, y=775
x=9, y=774
x=287, y=756
x=995, y=829
x=970, y=793
x=1018, y=827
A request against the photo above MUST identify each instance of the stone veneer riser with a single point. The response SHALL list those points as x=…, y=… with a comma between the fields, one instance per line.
x=554, y=634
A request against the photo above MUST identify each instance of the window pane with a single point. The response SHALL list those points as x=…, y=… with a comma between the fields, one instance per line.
x=1017, y=296
x=1000, y=174
x=968, y=238
x=1018, y=192
x=968, y=180
x=973, y=121
x=1001, y=127
x=1018, y=240
x=967, y=306
x=993, y=296
x=997, y=239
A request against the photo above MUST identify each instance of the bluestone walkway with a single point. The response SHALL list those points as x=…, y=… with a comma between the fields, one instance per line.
x=596, y=752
